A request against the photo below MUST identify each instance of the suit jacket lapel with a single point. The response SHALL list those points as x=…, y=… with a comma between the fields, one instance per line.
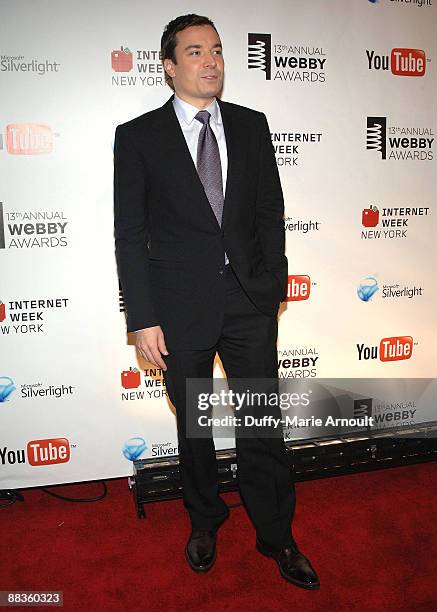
x=236, y=150
x=177, y=150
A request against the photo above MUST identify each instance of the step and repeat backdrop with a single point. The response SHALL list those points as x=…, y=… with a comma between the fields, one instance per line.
x=349, y=90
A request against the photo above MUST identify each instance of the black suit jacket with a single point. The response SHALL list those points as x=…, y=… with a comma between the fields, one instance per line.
x=169, y=245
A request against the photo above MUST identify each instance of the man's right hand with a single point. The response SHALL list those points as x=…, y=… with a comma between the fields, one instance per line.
x=151, y=345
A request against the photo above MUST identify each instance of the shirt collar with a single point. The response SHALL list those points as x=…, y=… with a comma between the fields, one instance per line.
x=187, y=112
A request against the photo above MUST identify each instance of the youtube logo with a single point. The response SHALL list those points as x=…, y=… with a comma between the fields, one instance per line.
x=401, y=62
x=408, y=62
x=48, y=452
x=299, y=286
x=28, y=139
x=393, y=348
x=396, y=348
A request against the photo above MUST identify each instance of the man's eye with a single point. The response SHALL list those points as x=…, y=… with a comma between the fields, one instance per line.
x=195, y=52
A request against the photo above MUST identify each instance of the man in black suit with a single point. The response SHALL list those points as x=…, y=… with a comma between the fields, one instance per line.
x=200, y=250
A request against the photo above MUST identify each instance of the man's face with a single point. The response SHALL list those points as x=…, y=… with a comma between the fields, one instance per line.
x=199, y=69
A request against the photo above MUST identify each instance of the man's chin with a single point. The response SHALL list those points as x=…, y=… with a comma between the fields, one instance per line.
x=212, y=91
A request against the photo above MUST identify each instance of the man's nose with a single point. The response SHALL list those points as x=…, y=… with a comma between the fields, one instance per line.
x=210, y=60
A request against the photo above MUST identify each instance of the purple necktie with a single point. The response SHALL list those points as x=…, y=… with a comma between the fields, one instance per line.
x=209, y=167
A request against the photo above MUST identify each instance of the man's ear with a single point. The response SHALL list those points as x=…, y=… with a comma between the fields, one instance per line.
x=169, y=67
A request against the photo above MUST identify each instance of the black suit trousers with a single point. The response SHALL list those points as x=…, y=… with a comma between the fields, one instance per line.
x=247, y=349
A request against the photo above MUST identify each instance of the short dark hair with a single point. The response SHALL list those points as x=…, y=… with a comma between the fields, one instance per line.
x=169, y=40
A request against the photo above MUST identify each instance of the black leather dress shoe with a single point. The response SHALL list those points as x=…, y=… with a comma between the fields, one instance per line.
x=293, y=565
x=200, y=551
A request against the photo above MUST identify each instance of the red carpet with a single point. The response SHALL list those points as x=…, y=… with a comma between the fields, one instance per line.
x=371, y=537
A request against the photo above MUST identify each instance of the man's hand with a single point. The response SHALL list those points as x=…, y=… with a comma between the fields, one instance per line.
x=150, y=344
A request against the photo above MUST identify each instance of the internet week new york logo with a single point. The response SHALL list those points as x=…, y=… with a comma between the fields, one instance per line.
x=389, y=222
x=142, y=67
x=285, y=62
x=153, y=384
x=26, y=316
x=288, y=146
